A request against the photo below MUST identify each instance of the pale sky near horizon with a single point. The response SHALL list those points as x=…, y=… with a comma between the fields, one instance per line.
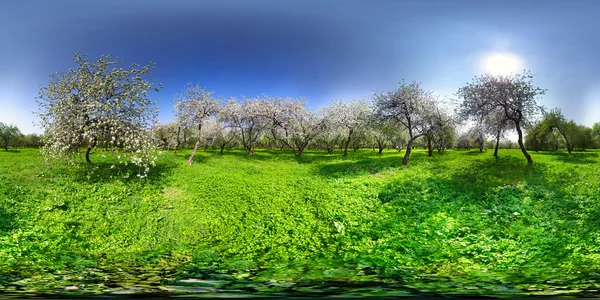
x=320, y=50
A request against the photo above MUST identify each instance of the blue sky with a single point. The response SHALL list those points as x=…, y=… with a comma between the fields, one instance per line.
x=320, y=50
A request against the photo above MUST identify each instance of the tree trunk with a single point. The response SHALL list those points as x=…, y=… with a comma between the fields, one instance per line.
x=222, y=148
x=87, y=153
x=429, y=147
x=497, y=144
x=569, y=147
x=191, y=159
x=347, y=143
x=520, y=141
x=380, y=145
x=177, y=145
x=6, y=145
x=408, y=150
x=300, y=150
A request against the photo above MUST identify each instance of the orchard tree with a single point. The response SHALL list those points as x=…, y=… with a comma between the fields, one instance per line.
x=219, y=135
x=514, y=96
x=8, y=133
x=446, y=133
x=382, y=132
x=293, y=125
x=438, y=124
x=555, y=120
x=477, y=135
x=497, y=125
x=99, y=102
x=596, y=134
x=30, y=140
x=465, y=141
x=249, y=118
x=331, y=138
x=410, y=106
x=165, y=135
x=348, y=117
x=194, y=106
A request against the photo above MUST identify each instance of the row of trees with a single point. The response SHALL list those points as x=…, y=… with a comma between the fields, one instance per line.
x=11, y=136
x=101, y=104
x=555, y=131
x=398, y=117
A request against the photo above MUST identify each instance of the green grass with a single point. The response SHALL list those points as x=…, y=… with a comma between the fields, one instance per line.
x=459, y=222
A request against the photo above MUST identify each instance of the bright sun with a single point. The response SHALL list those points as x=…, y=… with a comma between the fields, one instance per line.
x=502, y=63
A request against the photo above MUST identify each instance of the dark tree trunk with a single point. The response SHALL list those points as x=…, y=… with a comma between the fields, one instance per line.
x=497, y=144
x=177, y=145
x=380, y=146
x=87, y=153
x=191, y=159
x=222, y=148
x=300, y=150
x=521, y=145
x=429, y=147
x=347, y=143
x=407, y=153
x=569, y=147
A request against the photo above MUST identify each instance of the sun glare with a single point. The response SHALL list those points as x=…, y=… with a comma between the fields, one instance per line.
x=502, y=64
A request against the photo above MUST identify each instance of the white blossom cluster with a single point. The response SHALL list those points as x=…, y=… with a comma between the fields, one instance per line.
x=98, y=104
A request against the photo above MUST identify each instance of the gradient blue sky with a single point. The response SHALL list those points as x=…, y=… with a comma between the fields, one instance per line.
x=320, y=50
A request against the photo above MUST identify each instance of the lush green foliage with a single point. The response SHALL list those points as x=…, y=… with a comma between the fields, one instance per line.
x=457, y=222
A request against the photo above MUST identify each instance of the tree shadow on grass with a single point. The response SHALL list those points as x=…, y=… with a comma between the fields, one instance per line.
x=7, y=221
x=11, y=151
x=478, y=176
x=572, y=158
x=358, y=167
x=471, y=152
x=101, y=172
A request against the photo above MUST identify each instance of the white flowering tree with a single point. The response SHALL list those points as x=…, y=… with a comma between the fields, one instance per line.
x=438, y=127
x=218, y=135
x=381, y=131
x=249, y=118
x=99, y=102
x=409, y=106
x=8, y=133
x=348, y=117
x=165, y=135
x=330, y=138
x=292, y=124
x=513, y=96
x=194, y=106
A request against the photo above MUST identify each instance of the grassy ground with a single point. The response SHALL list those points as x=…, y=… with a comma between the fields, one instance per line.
x=459, y=222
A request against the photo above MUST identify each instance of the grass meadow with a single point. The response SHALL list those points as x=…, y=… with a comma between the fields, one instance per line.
x=460, y=222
